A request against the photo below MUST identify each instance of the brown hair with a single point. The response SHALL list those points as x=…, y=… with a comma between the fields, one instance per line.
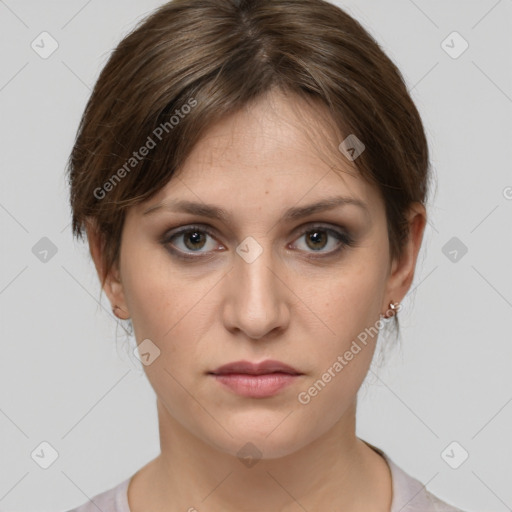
x=192, y=62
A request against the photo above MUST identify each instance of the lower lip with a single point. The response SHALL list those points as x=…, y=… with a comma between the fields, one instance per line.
x=256, y=386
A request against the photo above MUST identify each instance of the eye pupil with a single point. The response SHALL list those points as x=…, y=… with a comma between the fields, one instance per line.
x=316, y=237
x=195, y=236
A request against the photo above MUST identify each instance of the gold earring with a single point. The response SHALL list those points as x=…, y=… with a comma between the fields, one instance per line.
x=393, y=307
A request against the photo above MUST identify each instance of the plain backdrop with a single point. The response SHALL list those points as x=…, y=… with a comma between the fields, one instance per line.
x=71, y=389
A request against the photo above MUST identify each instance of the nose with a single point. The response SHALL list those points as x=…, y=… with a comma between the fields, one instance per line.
x=256, y=296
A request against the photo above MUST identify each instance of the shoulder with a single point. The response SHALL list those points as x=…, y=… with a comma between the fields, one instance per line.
x=111, y=500
x=410, y=495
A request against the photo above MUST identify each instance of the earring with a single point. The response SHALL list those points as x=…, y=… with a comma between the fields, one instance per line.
x=393, y=307
x=115, y=308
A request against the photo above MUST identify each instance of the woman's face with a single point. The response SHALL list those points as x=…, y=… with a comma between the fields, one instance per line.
x=266, y=280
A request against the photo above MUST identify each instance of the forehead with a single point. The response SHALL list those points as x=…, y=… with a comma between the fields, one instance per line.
x=276, y=130
x=278, y=148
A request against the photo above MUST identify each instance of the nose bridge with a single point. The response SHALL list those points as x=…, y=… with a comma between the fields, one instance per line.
x=256, y=291
x=255, y=268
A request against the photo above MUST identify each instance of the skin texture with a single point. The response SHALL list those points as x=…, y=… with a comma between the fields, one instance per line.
x=305, y=312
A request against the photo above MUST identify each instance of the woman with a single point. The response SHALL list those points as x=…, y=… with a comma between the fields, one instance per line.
x=252, y=177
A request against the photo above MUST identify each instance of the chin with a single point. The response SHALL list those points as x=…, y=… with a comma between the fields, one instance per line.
x=254, y=439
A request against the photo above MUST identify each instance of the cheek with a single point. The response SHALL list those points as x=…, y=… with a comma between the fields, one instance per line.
x=164, y=309
x=167, y=306
x=156, y=292
x=343, y=351
x=342, y=357
x=352, y=303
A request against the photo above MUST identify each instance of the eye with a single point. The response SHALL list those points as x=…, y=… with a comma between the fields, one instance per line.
x=199, y=240
x=192, y=239
x=317, y=238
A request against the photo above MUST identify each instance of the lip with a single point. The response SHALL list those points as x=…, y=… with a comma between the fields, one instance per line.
x=264, y=367
x=256, y=380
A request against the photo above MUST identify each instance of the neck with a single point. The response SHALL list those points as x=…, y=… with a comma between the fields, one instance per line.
x=337, y=470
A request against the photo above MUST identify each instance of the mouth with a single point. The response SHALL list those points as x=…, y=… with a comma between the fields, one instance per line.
x=256, y=380
x=248, y=368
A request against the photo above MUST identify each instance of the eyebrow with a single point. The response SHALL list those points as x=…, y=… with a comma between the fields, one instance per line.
x=298, y=212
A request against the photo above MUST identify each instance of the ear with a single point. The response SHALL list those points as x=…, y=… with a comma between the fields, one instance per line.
x=112, y=286
x=402, y=271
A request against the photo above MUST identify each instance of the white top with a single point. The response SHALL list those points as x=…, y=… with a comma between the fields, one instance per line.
x=409, y=495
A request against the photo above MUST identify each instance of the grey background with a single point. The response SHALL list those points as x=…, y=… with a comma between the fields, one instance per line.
x=67, y=373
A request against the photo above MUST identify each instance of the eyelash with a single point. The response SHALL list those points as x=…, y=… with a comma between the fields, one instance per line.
x=345, y=240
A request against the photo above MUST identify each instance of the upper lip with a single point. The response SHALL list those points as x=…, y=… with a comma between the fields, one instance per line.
x=267, y=366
